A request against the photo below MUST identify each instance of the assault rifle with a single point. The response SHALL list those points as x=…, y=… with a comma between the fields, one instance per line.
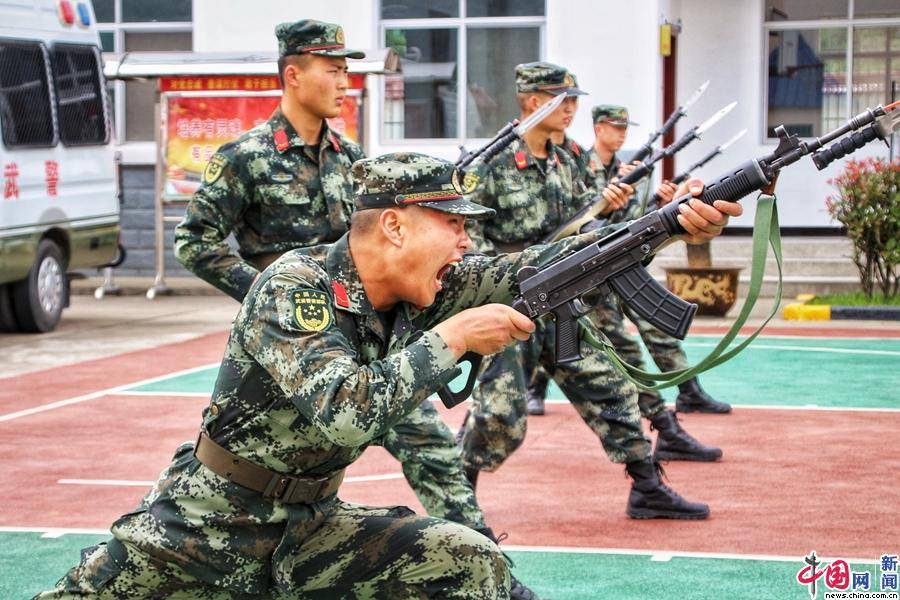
x=647, y=149
x=596, y=208
x=615, y=263
x=682, y=177
x=511, y=131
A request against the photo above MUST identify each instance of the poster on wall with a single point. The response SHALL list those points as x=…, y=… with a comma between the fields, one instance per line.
x=199, y=114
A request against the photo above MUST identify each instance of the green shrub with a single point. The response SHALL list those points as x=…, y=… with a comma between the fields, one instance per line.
x=868, y=205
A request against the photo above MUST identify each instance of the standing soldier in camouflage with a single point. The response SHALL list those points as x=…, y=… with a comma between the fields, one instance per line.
x=333, y=346
x=611, y=126
x=286, y=184
x=533, y=187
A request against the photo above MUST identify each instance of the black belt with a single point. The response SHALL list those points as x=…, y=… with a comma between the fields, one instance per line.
x=289, y=489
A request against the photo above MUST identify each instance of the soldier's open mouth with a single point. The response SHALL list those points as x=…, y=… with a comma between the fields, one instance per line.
x=439, y=278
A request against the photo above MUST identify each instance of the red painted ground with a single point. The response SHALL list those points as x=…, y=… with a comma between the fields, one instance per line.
x=790, y=480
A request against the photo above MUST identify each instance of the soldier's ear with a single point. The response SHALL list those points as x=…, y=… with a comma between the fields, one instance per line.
x=392, y=227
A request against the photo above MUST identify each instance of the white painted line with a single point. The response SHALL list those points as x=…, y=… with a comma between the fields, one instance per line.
x=779, y=407
x=54, y=532
x=679, y=554
x=810, y=349
x=163, y=394
x=664, y=557
x=85, y=397
x=138, y=483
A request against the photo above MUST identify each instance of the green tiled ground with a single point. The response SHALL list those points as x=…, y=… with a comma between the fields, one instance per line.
x=29, y=564
x=787, y=372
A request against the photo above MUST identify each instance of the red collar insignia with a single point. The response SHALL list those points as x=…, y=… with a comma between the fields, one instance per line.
x=340, y=294
x=334, y=142
x=521, y=161
x=575, y=149
x=281, y=140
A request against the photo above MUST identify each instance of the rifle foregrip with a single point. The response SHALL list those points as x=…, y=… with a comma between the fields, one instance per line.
x=642, y=153
x=732, y=186
x=663, y=309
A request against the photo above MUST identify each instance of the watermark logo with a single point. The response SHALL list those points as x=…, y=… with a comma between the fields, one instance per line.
x=836, y=580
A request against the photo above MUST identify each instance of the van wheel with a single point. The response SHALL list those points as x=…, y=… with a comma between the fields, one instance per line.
x=8, y=323
x=40, y=297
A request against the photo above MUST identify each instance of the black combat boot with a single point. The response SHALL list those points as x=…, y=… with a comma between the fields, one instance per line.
x=674, y=443
x=692, y=398
x=650, y=498
x=537, y=392
x=517, y=589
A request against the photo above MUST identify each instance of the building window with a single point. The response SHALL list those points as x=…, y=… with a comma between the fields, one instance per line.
x=138, y=25
x=828, y=60
x=457, y=59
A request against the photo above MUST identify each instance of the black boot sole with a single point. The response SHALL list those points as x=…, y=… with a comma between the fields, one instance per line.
x=536, y=412
x=702, y=408
x=685, y=456
x=649, y=513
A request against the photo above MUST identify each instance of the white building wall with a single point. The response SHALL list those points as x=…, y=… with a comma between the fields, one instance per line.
x=613, y=47
x=725, y=42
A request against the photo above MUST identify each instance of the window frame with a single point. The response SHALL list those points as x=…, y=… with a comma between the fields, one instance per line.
x=848, y=23
x=51, y=93
x=104, y=96
x=461, y=24
x=119, y=29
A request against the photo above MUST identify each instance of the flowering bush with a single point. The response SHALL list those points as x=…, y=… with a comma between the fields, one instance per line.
x=868, y=205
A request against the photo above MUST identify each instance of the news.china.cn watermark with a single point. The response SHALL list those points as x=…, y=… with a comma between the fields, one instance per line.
x=837, y=581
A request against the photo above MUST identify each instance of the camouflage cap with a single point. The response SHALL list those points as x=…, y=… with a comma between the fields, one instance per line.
x=546, y=77
x=612, y=114
x=313, y=37
x=405, y=178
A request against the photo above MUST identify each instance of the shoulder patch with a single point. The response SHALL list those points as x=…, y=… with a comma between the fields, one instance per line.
x=312, y=309
x=214, y=168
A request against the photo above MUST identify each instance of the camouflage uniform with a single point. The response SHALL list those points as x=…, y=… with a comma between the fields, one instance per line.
x=278, y=194
x=312, y=375
x=275, y=193
x=666, y=350
x=531, y=201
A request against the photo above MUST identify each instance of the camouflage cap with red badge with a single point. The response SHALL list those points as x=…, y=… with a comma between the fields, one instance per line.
x=313, y=37
x=408, y=178
x=546, y=77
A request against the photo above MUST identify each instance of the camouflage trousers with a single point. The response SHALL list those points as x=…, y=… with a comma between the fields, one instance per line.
x=327, y=550
x=432, y=465
x=607, y=402
x=666, y=350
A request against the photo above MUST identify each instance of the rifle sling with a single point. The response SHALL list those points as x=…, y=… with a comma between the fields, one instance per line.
x=765, y=234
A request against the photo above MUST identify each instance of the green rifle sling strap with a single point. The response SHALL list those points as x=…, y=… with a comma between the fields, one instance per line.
x=765, y=234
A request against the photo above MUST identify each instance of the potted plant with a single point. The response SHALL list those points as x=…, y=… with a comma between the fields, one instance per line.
x=712, y=288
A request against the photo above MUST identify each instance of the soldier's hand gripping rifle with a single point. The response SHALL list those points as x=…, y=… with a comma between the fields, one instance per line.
x=593, y=211
x=615, y=262
x=683, y=176
x=647, y=149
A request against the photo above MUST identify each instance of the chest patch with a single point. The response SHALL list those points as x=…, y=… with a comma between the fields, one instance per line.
x=312, y=309
x=281, y=177
x=214, y=168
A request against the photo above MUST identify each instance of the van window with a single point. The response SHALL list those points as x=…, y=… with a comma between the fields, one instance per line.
x=79, y=96
x=25, y=109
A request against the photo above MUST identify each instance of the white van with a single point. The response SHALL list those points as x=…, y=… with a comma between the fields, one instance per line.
x=59, y=193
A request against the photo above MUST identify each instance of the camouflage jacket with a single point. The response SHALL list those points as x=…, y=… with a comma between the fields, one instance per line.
x=274, y=194
x=311, y=375
x=580, y=157
x=602, y=175
x=531, y=201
